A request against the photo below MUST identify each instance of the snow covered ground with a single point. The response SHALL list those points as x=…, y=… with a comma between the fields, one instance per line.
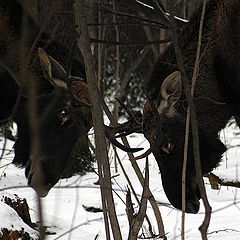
x=65, y=215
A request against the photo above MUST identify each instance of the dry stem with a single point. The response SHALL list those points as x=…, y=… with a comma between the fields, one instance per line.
x=101, y=149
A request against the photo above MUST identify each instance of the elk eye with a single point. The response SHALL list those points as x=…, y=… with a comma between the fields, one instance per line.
x=76, y=104
x=168, y=147
x=64, y=116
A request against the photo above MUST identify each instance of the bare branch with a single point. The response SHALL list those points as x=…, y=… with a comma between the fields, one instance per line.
x=194, y=78
x=131, y=43
x=145, y=19
x=133, y=191
x=129, y=207
x=136, y=221
x=101, y=149
x=204, y=226
x=215, y=181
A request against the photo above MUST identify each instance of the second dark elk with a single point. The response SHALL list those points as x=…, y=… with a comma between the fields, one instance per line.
x=216, y=98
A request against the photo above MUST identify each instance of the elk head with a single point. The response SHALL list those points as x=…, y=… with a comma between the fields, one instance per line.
x=63, y=116
x=164, y=123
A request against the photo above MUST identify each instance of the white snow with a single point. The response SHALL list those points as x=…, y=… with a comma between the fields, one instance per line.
x=64, y=214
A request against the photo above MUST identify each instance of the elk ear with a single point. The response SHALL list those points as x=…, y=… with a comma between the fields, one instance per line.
x=52, y=69
x=171, y=88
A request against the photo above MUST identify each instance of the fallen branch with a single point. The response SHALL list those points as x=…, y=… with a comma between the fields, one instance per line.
x=22, y=209
x=215, y=181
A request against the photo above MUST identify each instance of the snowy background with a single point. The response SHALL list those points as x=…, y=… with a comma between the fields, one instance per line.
x=64, y=207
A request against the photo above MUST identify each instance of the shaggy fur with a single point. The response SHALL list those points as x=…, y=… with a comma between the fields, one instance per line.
x=57, y=140
x=216, y=97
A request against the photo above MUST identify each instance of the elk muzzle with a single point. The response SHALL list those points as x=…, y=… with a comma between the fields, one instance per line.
x=37, y=176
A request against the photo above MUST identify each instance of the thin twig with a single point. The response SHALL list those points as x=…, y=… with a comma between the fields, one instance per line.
x=132, y=189
x=144, y=43
x=136, y=221
x=130, y=15
x=25, y=73
x=194, y=78
x=204, y=226
x=116, y=105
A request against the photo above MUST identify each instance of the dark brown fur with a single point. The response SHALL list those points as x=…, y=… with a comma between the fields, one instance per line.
x=62, y=119
x=216, y=97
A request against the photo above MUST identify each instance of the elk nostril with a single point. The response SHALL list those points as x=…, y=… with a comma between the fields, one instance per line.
x=44, y=165
x=192, y=206
x=30, y=178
x=27, y=170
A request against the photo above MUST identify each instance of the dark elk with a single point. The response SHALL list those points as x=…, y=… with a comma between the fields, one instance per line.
x=216, y=99
x=29, y=76
x=65, y=116
x=51, y=121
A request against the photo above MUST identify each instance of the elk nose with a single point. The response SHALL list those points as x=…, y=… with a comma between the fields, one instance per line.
x=36, y=179
x=40, y=188
x=192, y=206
